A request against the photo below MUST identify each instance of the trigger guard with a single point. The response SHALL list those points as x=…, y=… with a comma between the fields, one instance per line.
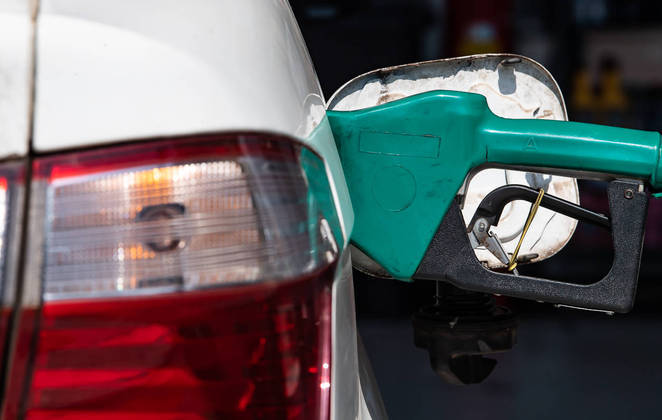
x=450, y=258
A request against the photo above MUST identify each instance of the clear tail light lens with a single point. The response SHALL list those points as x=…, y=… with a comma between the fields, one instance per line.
x=183, y=279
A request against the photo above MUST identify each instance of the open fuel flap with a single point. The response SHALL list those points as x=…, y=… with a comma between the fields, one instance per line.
x=515, y=87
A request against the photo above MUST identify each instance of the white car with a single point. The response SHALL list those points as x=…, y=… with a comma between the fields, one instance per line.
x=175, y=220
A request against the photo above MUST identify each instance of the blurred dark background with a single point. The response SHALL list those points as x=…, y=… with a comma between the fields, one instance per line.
x=607, y=57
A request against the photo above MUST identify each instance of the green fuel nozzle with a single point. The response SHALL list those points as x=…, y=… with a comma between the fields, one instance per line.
x=405, y=161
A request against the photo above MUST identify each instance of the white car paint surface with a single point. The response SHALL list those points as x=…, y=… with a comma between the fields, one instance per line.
x=15, y=76
x=126, y=69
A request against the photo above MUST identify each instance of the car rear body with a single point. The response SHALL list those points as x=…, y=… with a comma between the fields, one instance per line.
x=103, y=102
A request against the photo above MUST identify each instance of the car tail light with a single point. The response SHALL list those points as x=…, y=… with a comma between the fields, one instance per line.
x=184, y=279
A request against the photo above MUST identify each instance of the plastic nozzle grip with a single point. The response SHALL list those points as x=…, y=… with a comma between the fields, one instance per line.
x=405, y=160
x=581, y=147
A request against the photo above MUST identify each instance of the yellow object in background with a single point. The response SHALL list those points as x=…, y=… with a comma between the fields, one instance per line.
x=613, y=96
x=583, y=98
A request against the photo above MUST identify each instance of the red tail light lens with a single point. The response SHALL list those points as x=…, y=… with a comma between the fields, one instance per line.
x=183, y=279
x=240, y=353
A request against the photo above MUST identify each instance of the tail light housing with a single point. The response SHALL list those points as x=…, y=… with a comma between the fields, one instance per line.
x=185, y=278
x=11, y=211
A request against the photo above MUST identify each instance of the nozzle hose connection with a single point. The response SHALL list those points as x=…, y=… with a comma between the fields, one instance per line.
x=656, y=178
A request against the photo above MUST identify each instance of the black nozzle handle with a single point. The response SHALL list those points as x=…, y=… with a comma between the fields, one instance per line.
x=451, y=258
